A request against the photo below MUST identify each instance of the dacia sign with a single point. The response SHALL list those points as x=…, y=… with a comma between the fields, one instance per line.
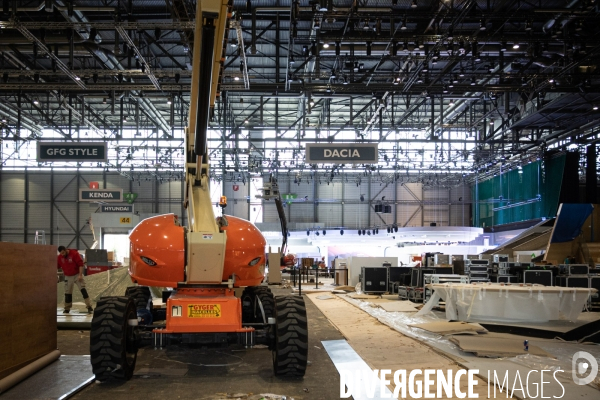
x=60, y=151
x=101, y=195
x=342, y=153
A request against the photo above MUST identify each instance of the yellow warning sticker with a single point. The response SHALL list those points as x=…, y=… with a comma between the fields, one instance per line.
x=125, y=220
x=204, y=311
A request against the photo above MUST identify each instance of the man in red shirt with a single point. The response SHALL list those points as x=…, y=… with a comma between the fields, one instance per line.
x=71, y=263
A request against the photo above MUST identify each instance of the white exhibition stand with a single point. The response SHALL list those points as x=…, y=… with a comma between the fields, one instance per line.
x=500, y=302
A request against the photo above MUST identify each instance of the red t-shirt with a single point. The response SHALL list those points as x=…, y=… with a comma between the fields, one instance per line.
x=71, y=263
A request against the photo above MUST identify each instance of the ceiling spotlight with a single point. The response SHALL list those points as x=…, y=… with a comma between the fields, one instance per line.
x=503, y=46
x=233, y=44
x=169, y=101
x=445, y=90
x=366, y=26
x=481, y=25
x=516, y=46
x=236, y=78
x=325, y=45
x=36, y=101
x=292, y=61
x=104, y=100
x=246, y=121
x=77, y=78
x=413, y=4
x=451, y=103
x=595, y=107
x=403, y=24
x=462, y=73
x=473, y=82
x=317, y=25
x=528, y=25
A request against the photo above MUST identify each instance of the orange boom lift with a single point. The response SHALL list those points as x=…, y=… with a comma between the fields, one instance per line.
x=204, y=262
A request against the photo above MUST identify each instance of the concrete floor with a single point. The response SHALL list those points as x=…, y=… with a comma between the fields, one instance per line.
x=181, y=372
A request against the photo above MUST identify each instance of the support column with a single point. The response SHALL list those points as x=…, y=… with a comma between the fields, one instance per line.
x=591, y=175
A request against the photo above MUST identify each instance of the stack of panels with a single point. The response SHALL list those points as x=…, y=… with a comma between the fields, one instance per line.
x=477, y=270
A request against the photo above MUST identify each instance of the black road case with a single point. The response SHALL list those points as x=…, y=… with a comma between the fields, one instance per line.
x=540, y=277
x=573, y=281
x=374, y=279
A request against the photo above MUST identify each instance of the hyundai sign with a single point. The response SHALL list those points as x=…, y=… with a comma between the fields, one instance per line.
x=119, y=209
x=61, y=151
x=101, y=195
x=342, y=153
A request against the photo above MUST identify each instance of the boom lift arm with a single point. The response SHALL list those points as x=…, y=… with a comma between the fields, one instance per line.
x=205, y=257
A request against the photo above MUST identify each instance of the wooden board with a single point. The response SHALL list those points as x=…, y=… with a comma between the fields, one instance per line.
x=491, y=345
x=27, y=304
x=382, y=347
x=447, y=327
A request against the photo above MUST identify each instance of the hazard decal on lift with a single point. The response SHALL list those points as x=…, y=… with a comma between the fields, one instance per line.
x=204, y=311
x=207, y=236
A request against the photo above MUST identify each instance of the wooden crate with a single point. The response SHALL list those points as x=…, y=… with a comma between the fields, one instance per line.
x=27, y=304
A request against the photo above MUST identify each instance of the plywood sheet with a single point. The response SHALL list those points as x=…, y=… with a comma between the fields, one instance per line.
x=399, y=306
x=447, y=327
x=382, y=347
x=27, y=304
x=363, y=296
x=495, y=346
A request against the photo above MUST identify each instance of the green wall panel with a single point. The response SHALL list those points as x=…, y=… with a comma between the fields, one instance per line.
x=516, y=192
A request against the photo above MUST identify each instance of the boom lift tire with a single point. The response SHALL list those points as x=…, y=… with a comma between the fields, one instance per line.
x=113, y=345
x=141, y=296
x=290, y=347
x=253, y=298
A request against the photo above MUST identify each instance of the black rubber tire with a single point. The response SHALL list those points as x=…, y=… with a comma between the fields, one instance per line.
x=268, y=304
x=113, y=346
x=141, y=296
x=290, y=339
x=250, y=308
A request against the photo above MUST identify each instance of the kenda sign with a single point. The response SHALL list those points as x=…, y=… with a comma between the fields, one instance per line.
x=101, y=195
x=463, y=384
